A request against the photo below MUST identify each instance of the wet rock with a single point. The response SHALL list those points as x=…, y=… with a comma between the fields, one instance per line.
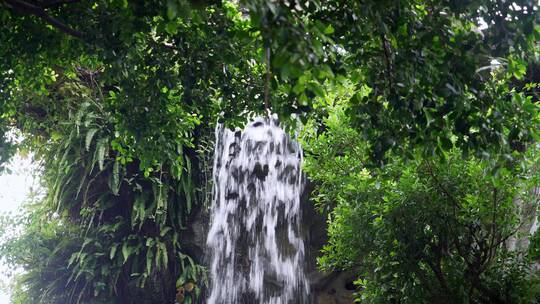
x=260, y=171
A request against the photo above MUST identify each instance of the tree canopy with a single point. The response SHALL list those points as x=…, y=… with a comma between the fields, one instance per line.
x=419, y=120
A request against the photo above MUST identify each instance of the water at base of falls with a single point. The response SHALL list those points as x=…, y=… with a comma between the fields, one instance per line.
x=256, y=251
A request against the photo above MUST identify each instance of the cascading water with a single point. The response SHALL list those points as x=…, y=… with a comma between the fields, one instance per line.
x=256, y=252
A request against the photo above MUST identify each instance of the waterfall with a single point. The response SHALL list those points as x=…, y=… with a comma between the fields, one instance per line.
x=256, y=251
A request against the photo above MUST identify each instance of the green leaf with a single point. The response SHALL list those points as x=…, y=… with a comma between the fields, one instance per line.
x=126, y=251
x=115, y=178
x=149, y=259
x=101, y=150
x=529, y=107
x=164, y=231
x=89, y=136
x=164, y=254
x=113, y=251
x=329, y=29
x=187, y=192
x=316, y=88
x=364, y=91
x=171, y=27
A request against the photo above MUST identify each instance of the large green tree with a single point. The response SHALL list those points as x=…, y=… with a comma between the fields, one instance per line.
x=119, y=99
x=424, y=230
x=120, y=116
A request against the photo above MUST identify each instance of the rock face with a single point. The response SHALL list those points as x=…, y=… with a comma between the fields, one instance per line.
x=326, y=288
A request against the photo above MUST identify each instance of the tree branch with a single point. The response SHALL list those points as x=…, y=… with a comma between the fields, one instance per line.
x=441, y=187
x=25, y=7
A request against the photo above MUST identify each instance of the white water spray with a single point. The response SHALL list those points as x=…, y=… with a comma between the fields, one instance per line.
x=256, y=252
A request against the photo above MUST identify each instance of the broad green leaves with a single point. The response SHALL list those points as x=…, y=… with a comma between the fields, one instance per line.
x=130, y=215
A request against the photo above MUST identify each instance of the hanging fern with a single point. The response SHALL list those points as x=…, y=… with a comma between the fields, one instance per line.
x=119, y=216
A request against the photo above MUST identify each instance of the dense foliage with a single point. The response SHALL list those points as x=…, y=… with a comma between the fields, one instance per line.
x=425, y=230
x=419, y=125
x=121, y=144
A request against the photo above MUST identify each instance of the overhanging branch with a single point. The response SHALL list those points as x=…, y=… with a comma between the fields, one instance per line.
x=29, y=8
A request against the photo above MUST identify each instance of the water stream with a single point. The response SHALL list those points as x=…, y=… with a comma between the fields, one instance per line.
x=254, y=241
